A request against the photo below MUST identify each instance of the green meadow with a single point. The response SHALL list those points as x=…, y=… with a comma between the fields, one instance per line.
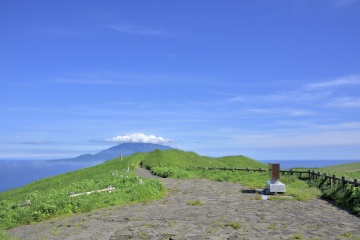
x=52, y=197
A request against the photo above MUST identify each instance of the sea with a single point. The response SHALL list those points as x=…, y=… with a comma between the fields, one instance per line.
x=17, y=173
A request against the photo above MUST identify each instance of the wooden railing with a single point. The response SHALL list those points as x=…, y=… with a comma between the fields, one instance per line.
x=311, y=174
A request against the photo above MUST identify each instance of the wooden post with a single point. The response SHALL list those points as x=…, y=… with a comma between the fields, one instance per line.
x=334, y=178
x=309, y=173
x=356, y=182
x=343, y=180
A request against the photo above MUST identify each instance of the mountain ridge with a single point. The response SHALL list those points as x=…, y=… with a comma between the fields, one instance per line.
x=124, y=149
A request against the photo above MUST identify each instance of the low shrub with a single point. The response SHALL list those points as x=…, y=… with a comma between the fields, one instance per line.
x=347, y=196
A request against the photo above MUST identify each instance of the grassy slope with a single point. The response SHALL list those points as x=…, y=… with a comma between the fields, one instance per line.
x=50, y=196
x=355, y=166
x=349, y=170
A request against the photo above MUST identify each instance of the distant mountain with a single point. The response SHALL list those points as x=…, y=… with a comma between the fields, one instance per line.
x=124, y=149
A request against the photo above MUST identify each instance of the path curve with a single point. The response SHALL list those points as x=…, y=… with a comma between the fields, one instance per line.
x=202, y=209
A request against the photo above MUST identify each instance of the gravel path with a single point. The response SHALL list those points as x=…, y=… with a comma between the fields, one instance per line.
x=202, y=209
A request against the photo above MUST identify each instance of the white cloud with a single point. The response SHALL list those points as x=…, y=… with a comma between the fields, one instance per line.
x=347, y=80
x=140, y=30
x=139, y=138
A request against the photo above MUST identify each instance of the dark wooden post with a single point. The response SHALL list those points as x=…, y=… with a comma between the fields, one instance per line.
x=343, y=180
x=356, y=182
x=334, y=178
x=274, y=170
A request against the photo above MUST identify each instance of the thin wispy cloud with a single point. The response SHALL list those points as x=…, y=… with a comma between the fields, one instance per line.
x=135, y=79
x=40, y=142
x=299, y=139
x=348, y=102
x=85, y=81
x=140, y=30
x=342, y=81
x=281, y=111
x=288, y=96
x=343, y=3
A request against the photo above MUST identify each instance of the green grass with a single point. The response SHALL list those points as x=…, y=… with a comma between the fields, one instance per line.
x=50, y=197
x=234, y=225
x=347, y=167
x=4, y=235
x=195, y=203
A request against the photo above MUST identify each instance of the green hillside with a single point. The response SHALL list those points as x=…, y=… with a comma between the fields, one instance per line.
x=51, y=197
x=351, y=170
x=181, y=159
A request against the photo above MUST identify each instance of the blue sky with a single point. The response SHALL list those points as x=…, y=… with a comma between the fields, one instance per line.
x=267, y=79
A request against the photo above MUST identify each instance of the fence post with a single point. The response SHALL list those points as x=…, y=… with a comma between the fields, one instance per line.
x=334, y=178
x=343, y=180
x=309, y=171
x=356, y=183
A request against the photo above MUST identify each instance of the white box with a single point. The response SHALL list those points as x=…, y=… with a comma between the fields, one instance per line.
x=276, y=186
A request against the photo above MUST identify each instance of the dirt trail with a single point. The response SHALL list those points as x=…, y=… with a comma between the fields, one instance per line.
x=202, y=209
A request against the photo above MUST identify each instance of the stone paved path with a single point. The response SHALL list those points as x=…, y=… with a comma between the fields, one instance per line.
x=202, y=209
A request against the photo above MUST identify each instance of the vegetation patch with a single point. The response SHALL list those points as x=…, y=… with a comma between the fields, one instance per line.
x=195, y=203
x=343, y=195
x=234, y=225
